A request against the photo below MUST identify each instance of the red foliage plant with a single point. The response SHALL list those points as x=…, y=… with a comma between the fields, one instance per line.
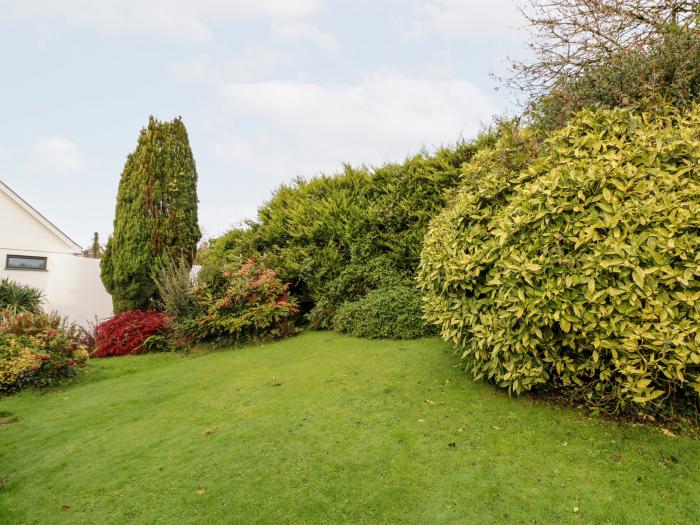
x=129, y=332
x=249, y=302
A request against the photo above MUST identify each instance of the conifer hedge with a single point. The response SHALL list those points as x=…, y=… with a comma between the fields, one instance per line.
x=578, y=270
x=337, y=238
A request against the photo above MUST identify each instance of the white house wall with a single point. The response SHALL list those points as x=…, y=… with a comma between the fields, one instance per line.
x=79, y=292
x=71, y=283
x=19, y=230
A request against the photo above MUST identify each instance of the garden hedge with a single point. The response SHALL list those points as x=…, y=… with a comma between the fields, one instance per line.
x=578, y=271
x=386, y=313
x=336, y=238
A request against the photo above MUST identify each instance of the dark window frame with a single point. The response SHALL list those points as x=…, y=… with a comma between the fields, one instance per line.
x=8, y=266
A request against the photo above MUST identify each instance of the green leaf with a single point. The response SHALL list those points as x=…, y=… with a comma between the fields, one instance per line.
x=643, y=383
x=655, y=394
x=565, y=325
x=638, y=277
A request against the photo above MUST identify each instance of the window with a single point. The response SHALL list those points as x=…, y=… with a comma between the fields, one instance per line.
x=25, y=262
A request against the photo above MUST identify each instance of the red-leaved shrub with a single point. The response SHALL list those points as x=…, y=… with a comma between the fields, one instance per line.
x=132, y=332
x=243, y=302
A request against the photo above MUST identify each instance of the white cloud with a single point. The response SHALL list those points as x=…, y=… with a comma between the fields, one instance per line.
x=297, y=30
x=253, y=62
x=469, y=20
x=215, y=220
x=197, y=70
x=250, y=64
x=181, y=19
x=4, y=155
x=311, y=128
x=55, y=156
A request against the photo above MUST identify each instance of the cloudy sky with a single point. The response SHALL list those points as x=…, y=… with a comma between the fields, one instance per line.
x=268, y=90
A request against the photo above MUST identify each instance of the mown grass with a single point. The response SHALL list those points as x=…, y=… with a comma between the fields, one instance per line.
x=323, y=428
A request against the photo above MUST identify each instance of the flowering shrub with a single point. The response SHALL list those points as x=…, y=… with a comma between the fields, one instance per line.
x=132, y=332
x=243, y=302
x=38, y=356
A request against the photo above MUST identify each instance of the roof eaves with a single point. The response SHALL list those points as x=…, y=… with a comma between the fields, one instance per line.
x=76, y=248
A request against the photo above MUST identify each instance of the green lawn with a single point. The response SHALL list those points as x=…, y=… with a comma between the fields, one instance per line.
x=323, y=428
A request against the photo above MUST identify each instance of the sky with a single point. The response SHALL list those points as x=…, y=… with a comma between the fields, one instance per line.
x=269, y=90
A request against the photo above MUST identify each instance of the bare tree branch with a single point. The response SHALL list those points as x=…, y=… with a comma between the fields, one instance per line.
x=570, y=35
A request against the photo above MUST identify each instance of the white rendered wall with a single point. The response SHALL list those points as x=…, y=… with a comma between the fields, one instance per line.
x=75, y=289
x=71, y=283
x=19, y=230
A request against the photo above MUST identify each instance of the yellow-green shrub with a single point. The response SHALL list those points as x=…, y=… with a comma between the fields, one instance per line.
x=37, y=351
x=16, y=365
x=580, y=272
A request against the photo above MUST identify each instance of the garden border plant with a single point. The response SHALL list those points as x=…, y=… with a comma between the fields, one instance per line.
x=580, y=272
x=38, y=350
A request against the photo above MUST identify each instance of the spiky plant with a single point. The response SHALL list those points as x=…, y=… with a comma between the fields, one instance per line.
x=16, y=298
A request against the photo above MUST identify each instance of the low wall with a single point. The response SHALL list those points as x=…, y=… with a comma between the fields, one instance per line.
x=71, y=284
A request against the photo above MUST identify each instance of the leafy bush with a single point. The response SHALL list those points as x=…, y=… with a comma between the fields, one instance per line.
x=18, y=363
x=38, y=322
x=30, y=323
x=243, y=302
x=132, y=332
x=34, y=353
x=580, y=273
x=175, y=289
x=389, y=313
x=17, y=298
x=354, y=281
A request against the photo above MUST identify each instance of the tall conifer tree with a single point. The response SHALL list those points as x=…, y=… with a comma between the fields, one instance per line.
x=96, y=249
x=156, y=214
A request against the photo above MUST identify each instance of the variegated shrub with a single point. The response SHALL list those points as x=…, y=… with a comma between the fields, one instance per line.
x=577, y=269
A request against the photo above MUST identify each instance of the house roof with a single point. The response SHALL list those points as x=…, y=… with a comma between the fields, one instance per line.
x=74, y=246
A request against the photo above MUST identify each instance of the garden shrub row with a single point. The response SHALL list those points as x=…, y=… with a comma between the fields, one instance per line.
x=337, y=238
x=237, y=302
x=574, y=266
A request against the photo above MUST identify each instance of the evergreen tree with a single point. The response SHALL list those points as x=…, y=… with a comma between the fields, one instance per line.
x=96, y=249
x=156, y=214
